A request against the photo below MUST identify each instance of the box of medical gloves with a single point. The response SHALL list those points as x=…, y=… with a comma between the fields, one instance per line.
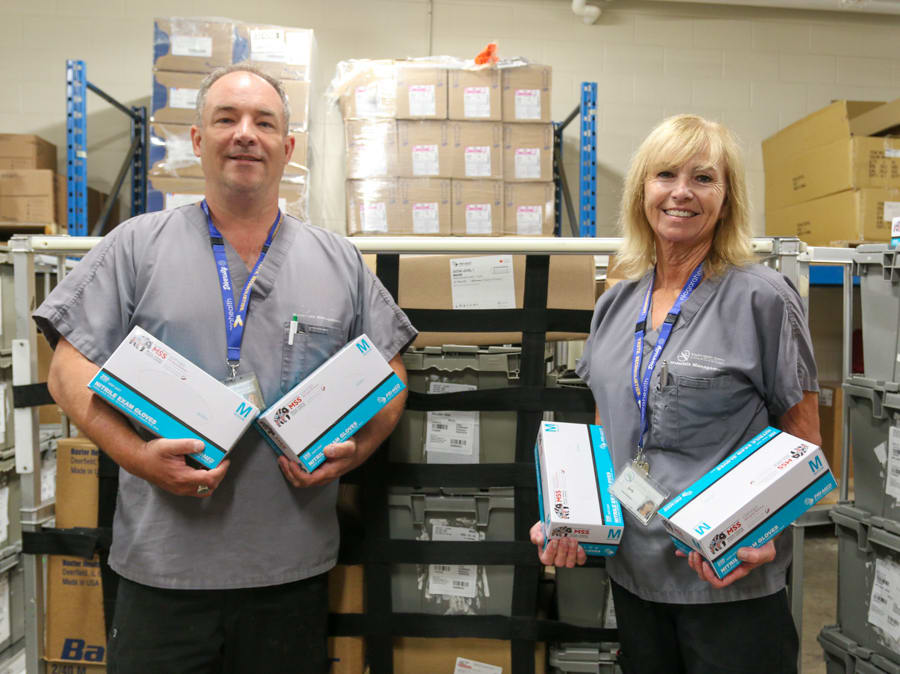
x=162, y=390
x=331, y=404
x=574, y=476
x=748, y=498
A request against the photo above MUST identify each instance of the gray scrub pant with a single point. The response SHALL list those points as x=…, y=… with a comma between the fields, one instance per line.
x=282, y=628
x=754, y=635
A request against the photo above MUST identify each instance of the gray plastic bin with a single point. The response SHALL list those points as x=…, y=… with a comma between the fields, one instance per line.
x=484, y=368
x=873, y=411
x=844, y=656
x=12, y=576
x=581, y=595
x=592, y=658
x=864, y=542
x=10, y=491
x=878, y=267
x=8, y=436
x=483, y=514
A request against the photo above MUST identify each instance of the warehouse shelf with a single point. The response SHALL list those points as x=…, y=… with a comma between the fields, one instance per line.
x=77, y=86
x=586, y=111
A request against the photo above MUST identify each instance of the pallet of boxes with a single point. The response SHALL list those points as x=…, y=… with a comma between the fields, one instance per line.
x=833, y=178
x=185, y=51
x=439, y=146
x=33, y=197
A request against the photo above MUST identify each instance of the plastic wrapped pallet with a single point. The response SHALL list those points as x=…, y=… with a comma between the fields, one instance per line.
x=191, y=44
x=477, y=207
x=476, y=150
x=400, y=206
x=371, y=148
x=527, y=152
x=280, y=51
x=166, y=192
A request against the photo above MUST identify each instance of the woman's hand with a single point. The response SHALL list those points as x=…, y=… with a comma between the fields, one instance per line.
x=750, y=559
x=559, y=552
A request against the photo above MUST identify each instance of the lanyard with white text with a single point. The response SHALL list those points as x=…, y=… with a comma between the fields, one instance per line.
x=641, y=389
x=234, y=316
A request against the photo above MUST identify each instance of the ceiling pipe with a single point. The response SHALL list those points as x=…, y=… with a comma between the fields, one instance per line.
x=588, y=13
x=868, y=6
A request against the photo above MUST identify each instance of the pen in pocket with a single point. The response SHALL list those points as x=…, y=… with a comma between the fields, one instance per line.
x=664, y=375
x=293, y=330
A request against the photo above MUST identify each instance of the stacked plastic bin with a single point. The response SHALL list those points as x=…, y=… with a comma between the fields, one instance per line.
x=867, y=637
x=185, y=51
x=440, y=146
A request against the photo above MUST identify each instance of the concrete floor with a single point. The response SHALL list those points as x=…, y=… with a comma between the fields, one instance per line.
x=820, y=555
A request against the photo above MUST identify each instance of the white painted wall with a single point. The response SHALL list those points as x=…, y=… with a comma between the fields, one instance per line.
x=754, y=69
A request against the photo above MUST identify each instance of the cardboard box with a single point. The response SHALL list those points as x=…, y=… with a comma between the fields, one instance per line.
x=368, y=89
x=850, y=163
x=855, y=215
x=529, y=209
x=337, y=399
x=96, y=200
x=47, y=414
x=171, y=153
x=29, y=195
x=881, y=121
x=372, y=207
x=149, y=381
x=297, y=92
x=474, y=95
x=477, y=150
x=526, y=94
x=192, y=45
x=425, y=283
x=26, y=151
x=831, y=405
x=174, y=99
x=282, y=52
x=424, y=150
x=575, y=473
x=345, y=589
x=414, y=655
x=748, y=498
x=421, y=91
x=477, y=208
x=75, y=628
x=423, y=206
x=371, y=148
x=527, y=152
x=831, y=123
x=166, y=192
x=347, y=655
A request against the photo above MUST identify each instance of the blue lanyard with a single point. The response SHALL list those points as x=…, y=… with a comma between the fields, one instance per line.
x=641, y=389
x=234, y=316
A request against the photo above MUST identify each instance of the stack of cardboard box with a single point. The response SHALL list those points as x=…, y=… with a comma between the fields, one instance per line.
x=185, y=52
x=32, y=195
x=440, y=147
x=829, y=180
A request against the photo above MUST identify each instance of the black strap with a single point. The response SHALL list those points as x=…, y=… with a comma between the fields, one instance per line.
x=75, y=542
x=387, y=268
x=108, y=474
x=527, y=319
x=32, y=395
x=529, y=398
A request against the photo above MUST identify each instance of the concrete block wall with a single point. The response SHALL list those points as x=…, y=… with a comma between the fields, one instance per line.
x=755, y=69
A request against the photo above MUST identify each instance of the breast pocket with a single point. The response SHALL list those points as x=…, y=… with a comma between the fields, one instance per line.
x=314, y=342
x=705, y=407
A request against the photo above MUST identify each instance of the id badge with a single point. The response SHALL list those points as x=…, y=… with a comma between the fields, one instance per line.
x=638, y=493
x=247, y=386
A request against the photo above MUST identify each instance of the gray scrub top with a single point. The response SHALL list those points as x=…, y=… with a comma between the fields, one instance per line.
x=157, y=271
x=738, y=358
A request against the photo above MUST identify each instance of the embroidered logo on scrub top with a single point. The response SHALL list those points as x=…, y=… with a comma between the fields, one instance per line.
x=688, y=358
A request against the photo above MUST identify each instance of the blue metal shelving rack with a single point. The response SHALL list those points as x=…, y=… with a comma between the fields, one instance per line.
x=77, y=86
x=587, y=171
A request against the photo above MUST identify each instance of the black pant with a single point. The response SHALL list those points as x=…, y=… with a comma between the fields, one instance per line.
x=755, y=635
x=282, y=628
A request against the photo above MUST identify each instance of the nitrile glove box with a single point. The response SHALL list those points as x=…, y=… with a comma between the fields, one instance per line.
x=331, y=404
x=162, y=390
x=574, y=474
x=748, y=498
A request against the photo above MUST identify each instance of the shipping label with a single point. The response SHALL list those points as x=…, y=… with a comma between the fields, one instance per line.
x=192, y=45
x=373, y=216
x=425, y=218
x=478, y=161
x=452, y=434
x=528, y=104
x=476, y=102
x=529, y=220
x=528, y=163
x=478, y=219
x=422, y=100
x=425, y=160
x=183, y=98
x=482, y=282
x=267, y=44
x=892, y=481
x=884, y=603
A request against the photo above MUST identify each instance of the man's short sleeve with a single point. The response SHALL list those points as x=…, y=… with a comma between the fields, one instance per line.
x=379, y=317
x=93, y=305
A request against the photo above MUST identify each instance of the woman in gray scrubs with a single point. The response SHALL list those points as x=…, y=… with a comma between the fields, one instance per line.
x=688, y=360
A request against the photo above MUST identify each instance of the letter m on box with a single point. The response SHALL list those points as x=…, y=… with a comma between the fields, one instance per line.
x=243, y=410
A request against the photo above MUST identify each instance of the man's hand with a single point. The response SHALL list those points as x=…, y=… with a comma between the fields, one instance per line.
x=750, y=558
x=161, y=462
x=342, y=457
x=559, y=552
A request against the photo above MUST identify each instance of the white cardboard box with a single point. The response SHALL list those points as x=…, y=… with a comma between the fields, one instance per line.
x=331, y=404
x=748, y=498
x=574, y=476
x=162, y=390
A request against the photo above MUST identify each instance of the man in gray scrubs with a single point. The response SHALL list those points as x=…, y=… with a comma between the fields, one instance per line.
x=223, y=570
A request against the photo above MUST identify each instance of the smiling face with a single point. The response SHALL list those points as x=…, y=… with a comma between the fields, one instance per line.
x=684, y=203
x=241, y=140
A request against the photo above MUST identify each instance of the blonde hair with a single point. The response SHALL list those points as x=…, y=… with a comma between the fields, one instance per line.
x=672, y=143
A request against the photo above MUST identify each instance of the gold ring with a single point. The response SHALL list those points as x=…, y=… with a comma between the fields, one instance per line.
x=202, y=489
